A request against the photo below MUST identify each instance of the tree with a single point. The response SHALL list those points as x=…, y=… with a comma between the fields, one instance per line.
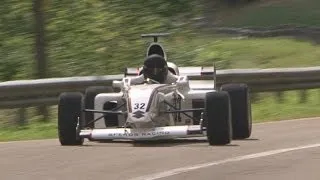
x=40, y=46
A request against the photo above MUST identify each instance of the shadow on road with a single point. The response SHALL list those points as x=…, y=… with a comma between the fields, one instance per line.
x=249, y=139
x=194, y=142
x=165, y=143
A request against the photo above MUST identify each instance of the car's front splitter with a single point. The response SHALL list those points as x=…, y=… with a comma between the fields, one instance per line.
x=167, y=132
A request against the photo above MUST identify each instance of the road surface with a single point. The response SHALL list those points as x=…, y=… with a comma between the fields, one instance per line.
x=279, y=150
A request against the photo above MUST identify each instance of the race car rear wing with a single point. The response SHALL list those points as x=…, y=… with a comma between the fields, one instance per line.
x=155, y=35
x=193, y=73
x=200, y=73
x=183, y=71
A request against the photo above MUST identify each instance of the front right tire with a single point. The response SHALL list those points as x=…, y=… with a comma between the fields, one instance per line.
x=69, y=110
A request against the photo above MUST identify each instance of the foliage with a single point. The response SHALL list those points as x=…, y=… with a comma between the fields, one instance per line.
x=102, y=37
x=86, y=37
x=16, y=39
x=271, y=13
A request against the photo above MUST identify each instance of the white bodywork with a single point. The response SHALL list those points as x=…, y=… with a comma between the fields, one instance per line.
x=145, y=106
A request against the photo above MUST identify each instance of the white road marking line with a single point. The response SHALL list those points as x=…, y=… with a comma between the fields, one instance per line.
x=220, y=162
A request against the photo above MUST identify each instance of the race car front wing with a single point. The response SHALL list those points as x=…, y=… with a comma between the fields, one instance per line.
x=155, y=133
x=166, y=132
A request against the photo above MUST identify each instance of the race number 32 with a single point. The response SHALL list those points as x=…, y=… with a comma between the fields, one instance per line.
x=139, y=105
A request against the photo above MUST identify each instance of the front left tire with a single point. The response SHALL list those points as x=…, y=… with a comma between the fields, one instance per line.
x=240, y=108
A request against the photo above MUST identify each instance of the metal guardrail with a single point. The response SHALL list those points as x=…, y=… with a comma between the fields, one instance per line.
x=26, y=93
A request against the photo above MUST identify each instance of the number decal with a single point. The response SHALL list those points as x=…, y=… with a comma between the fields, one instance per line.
x=142, y=105
x=139, y=105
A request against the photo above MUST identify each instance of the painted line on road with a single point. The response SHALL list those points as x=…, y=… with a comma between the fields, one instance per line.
x=220, y=162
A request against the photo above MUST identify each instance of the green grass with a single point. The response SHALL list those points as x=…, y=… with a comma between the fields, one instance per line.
x=266, y=109
x=34, y=130
x=230, y=52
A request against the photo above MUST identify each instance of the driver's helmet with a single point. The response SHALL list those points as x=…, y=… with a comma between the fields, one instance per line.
x=155, y=67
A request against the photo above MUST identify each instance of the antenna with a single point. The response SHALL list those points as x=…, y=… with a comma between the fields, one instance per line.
x=155, y=35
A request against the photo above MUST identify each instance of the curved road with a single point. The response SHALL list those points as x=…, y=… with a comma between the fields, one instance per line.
x=279, y=150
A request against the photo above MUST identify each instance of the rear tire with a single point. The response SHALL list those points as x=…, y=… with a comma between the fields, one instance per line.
x=218, y=117
x=241, y=109
x=69, y=110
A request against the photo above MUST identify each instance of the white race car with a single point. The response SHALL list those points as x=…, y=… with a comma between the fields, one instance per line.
x=157, y=101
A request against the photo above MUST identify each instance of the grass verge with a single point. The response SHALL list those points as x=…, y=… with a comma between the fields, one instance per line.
x=268, y=109
x=34, y=130
x=241, y=52
x=265, y=109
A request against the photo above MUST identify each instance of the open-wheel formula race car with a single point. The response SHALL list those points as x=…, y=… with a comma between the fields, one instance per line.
x=157, y=101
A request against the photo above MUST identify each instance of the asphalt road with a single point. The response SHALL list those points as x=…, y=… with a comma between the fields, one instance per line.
x=281, y=150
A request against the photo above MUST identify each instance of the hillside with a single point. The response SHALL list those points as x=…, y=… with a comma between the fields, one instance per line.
x=95, y=38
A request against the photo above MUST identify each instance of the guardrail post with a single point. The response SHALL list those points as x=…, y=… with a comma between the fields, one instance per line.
x=303, y=96
x=21, y=120
x=44, y=112
x=280, y=97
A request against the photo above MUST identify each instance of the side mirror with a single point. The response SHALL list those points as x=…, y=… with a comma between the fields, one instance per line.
x=183, y=84
x=117, y=84
x=124, y=84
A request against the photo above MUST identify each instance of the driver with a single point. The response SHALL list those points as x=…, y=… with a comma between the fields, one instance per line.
x=155, y=67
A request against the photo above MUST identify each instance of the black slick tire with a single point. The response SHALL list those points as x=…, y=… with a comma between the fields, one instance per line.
x=241, y=109
x=218, y=117
x=69, y=110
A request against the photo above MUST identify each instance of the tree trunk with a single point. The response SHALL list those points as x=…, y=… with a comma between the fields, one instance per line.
x=40, y=45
